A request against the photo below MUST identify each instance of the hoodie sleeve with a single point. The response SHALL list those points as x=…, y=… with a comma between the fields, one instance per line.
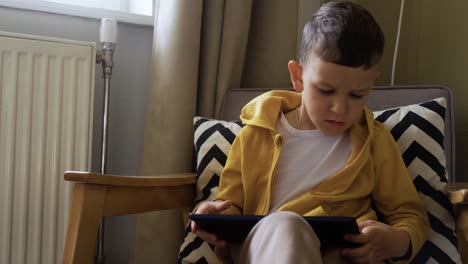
x=394, y=195
x=230, y=185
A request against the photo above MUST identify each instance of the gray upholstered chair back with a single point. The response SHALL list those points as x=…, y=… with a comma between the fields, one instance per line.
x=381, y=98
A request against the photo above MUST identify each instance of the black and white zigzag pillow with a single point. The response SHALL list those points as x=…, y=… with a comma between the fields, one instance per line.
x=212, y=140
x=419, y=132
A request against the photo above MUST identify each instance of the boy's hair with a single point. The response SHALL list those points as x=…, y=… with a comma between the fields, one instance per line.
x=343, y=33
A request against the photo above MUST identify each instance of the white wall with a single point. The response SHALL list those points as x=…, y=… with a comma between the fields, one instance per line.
x=127, y=99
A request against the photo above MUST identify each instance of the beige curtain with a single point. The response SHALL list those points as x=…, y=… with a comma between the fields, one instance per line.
x=198, y=52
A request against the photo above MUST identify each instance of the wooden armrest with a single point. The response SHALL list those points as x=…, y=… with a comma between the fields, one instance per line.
x=457, y=192
x=136, y=181
x=459, y=196
x=136, y=194
x=99, y=195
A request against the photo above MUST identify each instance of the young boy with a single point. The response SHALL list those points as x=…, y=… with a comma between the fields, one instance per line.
x=319, y=152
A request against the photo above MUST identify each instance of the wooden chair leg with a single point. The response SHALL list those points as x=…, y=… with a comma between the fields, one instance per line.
x=86, y=211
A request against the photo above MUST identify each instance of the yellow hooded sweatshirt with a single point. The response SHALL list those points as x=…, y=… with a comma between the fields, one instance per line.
x=375, y=175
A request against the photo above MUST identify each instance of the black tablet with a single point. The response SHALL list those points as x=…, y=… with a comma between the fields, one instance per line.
x=235, y=228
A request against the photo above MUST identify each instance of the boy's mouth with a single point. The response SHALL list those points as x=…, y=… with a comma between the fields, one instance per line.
x=334, y=123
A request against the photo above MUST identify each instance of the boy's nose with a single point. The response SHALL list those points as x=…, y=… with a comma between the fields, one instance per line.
x=339, y=106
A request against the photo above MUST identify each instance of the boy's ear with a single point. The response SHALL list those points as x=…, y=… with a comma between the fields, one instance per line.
x=295, y=71
x=377, y=75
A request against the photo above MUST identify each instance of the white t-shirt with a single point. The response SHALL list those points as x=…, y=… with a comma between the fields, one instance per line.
x=307, y=158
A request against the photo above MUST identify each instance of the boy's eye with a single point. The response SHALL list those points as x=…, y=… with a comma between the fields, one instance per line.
x=325, y=91
x=356, y=96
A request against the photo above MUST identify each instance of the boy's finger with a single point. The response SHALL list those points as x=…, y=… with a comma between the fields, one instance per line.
x=193, y=226
x=359, y=239
x=209, y=237
x=221, y=243
x=367, y=223
x=218, y=207
x=356, y=252
x=204, y=208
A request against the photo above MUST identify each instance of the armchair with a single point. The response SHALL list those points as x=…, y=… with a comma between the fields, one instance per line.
x=96, y=195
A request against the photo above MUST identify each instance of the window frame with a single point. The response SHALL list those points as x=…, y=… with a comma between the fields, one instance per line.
x=80, y=11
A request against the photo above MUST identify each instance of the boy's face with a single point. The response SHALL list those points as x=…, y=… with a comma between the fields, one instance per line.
x=333, y=95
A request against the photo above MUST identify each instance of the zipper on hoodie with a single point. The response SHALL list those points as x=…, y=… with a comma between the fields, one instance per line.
x=278, y=143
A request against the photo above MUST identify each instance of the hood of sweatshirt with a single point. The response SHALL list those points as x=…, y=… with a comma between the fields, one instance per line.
x=263, y=110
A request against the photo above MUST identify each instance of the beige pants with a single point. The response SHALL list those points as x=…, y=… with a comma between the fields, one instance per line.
x=284, y=237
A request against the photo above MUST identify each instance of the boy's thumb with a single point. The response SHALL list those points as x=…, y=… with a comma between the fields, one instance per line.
x=223, y=205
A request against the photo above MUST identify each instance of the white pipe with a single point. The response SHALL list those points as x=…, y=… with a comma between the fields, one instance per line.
x=395, y=53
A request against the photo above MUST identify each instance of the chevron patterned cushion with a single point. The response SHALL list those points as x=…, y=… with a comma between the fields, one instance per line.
x=212, y=141
x=418, y=130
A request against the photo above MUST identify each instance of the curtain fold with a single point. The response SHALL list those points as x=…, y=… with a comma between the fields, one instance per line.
x=167, y=145
x=233, y=47
x=224, y=42
x=173, y=87
x=198, y=54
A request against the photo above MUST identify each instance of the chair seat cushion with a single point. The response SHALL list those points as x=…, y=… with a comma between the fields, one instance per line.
x=419, y=132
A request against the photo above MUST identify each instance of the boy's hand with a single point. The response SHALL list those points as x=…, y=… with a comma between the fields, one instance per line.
x=378, y=242
x=210, y=208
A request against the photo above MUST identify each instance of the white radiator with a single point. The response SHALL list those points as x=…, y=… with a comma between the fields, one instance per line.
x=46, y=110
